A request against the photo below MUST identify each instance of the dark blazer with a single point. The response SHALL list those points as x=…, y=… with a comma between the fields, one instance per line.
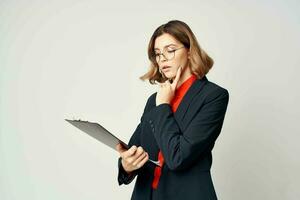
x=186, y=139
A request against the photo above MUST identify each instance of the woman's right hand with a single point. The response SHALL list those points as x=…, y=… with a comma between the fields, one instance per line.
x=133, y=158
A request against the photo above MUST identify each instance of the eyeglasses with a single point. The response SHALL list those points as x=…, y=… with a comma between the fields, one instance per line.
x=169, y=55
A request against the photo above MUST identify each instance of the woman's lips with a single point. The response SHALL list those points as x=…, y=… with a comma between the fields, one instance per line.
x=166, y=68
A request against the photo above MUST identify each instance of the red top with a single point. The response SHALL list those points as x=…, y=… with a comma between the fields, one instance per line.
x=179, y=94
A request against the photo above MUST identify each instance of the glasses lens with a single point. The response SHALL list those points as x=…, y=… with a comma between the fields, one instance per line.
x=169, y=54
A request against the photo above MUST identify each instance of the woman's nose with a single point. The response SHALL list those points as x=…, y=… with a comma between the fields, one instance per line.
x=162, y=58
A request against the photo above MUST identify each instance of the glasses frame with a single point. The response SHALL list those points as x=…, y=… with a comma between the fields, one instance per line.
x=159, y=54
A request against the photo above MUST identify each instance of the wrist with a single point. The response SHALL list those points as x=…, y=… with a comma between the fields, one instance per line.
x=125, y=169
x=163, y=103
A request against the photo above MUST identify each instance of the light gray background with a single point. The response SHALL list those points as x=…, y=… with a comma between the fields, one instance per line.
x=63, y=59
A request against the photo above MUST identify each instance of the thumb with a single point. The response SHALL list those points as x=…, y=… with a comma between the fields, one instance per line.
x=120, y=148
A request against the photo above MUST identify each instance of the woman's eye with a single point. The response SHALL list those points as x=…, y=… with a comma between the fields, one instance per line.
x=171, y=51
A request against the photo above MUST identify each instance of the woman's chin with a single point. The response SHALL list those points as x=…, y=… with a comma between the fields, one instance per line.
x=169, y=75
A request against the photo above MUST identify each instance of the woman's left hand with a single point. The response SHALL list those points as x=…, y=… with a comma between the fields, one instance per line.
x=166, y=90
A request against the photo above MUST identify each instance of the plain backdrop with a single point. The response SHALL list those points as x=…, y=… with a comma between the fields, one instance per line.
x=82, y=60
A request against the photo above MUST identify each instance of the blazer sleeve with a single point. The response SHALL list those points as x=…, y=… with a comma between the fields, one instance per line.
x=181, y=149
x=123, y=176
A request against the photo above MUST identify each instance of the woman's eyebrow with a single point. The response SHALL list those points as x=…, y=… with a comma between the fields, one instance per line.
x=165, y=46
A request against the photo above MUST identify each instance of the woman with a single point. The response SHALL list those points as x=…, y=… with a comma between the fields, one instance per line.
x=180, y=123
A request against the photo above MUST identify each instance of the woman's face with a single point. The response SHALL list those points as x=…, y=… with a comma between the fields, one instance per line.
x=166, y=44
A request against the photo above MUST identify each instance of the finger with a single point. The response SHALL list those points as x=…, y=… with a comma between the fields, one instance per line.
x=166, y=83
x=140, y=158
x=174, y=84
x=140, y=164
x=120, y=148
x=178, y=73
x=130, y=152
x=138, y=152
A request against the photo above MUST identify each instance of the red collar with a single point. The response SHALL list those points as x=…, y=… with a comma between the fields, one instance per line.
x=185, y=85
x=181, y=90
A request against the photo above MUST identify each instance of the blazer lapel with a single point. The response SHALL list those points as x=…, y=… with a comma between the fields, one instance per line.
x=186, y=101
x=149, y=141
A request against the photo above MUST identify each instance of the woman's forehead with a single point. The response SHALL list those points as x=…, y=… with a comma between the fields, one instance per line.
x=164, y=41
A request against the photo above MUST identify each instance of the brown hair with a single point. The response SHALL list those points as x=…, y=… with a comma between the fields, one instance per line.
x=199, y=62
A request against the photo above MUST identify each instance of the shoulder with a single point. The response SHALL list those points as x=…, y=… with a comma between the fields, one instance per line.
x=151, y=102
x=213, y=88
x=152, y=99
x=212, y=91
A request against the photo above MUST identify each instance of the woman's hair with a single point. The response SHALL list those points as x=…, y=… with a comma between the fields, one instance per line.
x=199, y=62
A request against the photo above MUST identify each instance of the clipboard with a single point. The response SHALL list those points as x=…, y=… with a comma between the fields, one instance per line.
x=101, y=134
